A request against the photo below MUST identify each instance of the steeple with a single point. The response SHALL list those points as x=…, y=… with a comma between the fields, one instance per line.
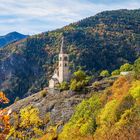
x=63, y=66
x=62, y=46
x=62, y=73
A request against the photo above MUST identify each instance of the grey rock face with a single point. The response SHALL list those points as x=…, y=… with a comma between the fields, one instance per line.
x=61, y=106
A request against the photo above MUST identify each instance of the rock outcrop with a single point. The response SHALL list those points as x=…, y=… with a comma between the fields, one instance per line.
x=60, y=105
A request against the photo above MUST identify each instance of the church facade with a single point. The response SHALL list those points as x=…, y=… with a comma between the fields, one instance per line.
x=61, y=73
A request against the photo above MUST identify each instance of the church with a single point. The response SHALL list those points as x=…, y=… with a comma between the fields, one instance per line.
x=61, y=73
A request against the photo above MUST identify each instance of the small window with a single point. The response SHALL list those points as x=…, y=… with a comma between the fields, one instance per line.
x=60, y=58
x=65, y=65
x=60, y=65
x=65, y=58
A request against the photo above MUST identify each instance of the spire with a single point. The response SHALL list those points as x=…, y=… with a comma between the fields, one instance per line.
x=62, y=45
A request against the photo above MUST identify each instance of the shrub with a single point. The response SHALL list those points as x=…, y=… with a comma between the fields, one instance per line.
x=44, y=93
x=126, y=67
x=137, y=68
x=64, y=86
x=27, y=124
x=73, y=85
x=115, y=72
x=104, y=73
x=135, y=90
x=17, y=99
x=79, y=81
x=96, y=84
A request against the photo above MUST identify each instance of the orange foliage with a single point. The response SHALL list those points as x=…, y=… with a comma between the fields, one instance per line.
x=120, y=87
x=51, y=133
x=4, y=118
x=3, y=98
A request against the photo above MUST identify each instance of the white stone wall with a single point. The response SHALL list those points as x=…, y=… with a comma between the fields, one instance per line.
x=51, y=83
x=125, y=73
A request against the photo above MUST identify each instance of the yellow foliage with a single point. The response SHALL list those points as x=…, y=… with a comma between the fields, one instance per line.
x=135, y=90
x=118, y=117
x=4, y=117
x=27, y=124
x=30, y=116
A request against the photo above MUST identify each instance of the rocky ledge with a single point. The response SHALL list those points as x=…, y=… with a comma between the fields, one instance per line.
x=60, y=105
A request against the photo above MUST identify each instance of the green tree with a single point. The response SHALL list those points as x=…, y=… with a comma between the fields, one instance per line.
x=83, y=122
x=79, y=80
x=126, y=67
x=137, y=68
x=64, y=86
x=79, y=75
x=104, y=73
x=115, y=72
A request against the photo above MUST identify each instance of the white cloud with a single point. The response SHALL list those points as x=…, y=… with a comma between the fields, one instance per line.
x=34, y=16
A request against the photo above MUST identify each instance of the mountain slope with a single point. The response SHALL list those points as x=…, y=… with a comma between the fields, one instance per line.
x=58, y=106
x=10, y=38
x=104, y=41
x=112, y=112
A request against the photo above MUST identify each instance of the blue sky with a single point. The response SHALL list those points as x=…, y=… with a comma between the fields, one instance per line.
x=35, y=16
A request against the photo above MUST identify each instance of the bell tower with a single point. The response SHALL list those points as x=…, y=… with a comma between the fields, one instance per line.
x=63, y=67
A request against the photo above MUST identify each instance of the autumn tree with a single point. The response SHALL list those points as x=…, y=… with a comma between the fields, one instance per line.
x=4, y=117
x=82, y=125
x=27, y=124
x=137, y=68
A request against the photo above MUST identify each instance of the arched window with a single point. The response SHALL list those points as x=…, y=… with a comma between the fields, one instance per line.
x=65, y=58
x=60, y=58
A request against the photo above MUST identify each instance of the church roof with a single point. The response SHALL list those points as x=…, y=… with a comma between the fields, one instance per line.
x=54, y=79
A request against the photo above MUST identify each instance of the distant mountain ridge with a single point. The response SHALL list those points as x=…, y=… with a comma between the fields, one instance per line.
x=10, y=38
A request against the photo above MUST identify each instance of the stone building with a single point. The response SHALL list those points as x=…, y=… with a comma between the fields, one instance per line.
x=61, y=73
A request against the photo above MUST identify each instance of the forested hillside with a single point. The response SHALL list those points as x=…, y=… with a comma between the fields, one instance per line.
x=109, y=109
x=111, y=115
x=104, y=41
